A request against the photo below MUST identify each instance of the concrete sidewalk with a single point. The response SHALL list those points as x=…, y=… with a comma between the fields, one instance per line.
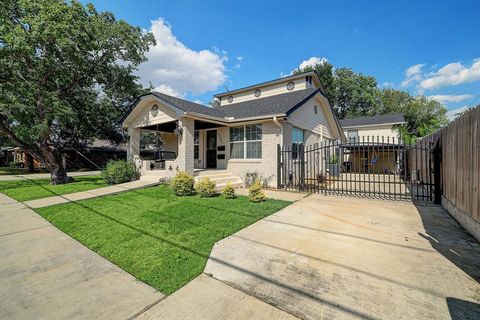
x=45, y=274
x=88, y=194
x=32, y=176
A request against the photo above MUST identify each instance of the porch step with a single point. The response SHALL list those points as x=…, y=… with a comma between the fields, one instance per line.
x=221, y=178
x=209, y=173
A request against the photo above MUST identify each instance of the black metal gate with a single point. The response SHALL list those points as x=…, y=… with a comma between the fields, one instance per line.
x=369, y=166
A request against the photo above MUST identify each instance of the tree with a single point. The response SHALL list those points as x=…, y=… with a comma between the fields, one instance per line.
x=356, y=94
x=423, y=116
x=326, y=75
x=66, y=75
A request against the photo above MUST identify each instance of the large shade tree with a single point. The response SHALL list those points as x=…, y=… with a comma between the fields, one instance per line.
x=66, y=74
x=353, y=94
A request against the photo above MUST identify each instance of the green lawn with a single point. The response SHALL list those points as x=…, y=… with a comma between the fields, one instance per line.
x=23, y=190
x=10, y=170
x=161, y=239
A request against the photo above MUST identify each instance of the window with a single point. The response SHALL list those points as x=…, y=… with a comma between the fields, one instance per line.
x=308, y=79
x=352, y=135
x=196, y=144
x=297, y=140
x=230, y=99
x=290, y=86
x=246, y=141
x=257, y=93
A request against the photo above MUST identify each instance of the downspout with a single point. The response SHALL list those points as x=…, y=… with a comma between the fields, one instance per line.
x=275, y=120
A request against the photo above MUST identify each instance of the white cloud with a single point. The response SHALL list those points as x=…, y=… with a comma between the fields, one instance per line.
x=240, y=58
x=444, y=98
x=165, y=88
x=311, y=62
x=451, y=114
x=388, y=84
x=452, y=74
x=412, y=74
x=176, y=69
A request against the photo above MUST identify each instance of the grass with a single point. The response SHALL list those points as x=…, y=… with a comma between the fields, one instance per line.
x=24, y=190
x=11, y=170
x=161, y=239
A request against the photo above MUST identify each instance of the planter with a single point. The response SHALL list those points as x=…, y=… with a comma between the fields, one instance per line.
x=334, y=170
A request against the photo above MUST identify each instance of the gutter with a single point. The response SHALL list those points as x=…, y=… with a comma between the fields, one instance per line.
x=275, y=120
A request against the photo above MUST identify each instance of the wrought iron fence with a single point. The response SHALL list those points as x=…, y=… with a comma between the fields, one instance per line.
x=382, y=167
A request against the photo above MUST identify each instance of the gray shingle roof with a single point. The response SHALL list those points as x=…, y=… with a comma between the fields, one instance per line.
x=189, y=106
x=364, y=121
x=284, y=103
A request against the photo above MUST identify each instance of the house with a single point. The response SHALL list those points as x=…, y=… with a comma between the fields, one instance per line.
x=372, y=143
x=240, y=134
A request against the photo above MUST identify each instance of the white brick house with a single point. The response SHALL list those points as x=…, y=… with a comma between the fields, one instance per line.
x=240, y=134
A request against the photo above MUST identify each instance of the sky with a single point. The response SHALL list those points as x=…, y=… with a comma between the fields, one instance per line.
x=207, y=47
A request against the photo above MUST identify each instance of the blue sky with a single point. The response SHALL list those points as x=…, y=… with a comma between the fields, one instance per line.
x=424, y=47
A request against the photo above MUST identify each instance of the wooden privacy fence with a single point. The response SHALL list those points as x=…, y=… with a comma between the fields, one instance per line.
x=460, y=169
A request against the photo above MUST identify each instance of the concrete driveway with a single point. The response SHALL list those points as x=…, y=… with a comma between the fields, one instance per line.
x=45, y=274
x=350, y=258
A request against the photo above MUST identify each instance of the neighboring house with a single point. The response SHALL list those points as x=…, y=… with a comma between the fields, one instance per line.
x=372, y=143
x=241, y=133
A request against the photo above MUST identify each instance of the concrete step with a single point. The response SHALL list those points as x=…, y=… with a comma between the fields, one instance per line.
x=220, y=186
x=203, y=173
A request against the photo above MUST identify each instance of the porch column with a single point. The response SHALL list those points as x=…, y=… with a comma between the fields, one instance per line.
x=185, y=145
x=133, y=144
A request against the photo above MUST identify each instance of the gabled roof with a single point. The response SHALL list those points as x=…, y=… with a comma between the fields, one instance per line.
x=270, y=82
x=394, y=118
x=276, y=105
x=280, y=104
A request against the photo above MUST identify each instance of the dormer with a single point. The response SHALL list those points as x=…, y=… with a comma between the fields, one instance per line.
x=291, y=83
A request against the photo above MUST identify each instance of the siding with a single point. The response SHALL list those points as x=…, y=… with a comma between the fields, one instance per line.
x=378, y=130
x=266, y=91
x=145, y=118
x=305, y=118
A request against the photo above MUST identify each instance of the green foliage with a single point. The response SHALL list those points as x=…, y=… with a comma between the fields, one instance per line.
x=229, y=191
x=206, y=187
x=334, y=159
x=183, y=184
x=119, y=171
x=62, y=85
x=255, y=193
x=354, y=94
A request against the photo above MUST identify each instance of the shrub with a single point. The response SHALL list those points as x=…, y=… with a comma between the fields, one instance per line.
x=255, y=193
x=206, y=187
x=182, y=184
x=229, y=191
x=119, y=171
x=249, y=178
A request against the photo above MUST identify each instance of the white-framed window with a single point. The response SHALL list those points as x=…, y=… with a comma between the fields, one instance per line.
x=298, y=138
x=246, y=141
x=352, y=135
x=196, y=144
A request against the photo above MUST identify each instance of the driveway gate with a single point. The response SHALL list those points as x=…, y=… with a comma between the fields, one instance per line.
x=368, y=166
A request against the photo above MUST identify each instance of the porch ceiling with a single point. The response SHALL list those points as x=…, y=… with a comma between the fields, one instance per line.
x=164, y=127
x=199, y=125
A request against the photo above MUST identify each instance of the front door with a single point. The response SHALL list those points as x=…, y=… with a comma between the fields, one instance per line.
x=212, y=149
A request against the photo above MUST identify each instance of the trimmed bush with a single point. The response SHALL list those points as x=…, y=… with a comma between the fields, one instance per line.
x=206, y=187
x=229, y=191
x=255, y=193
x=183, y=184
x=119, y=171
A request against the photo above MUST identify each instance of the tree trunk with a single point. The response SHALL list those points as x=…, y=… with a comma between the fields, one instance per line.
x=31, y=166
x=53, y=160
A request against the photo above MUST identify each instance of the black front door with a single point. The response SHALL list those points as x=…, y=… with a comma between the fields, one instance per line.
x=212, y=149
